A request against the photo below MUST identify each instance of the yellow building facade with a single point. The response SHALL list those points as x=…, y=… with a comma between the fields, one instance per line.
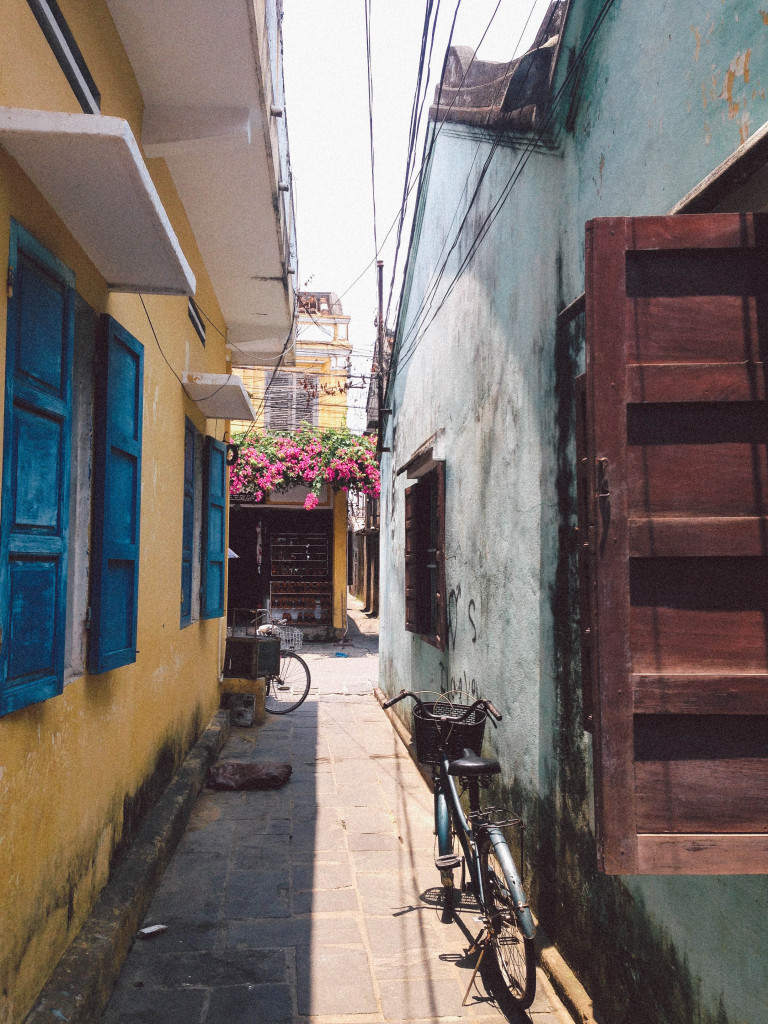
x=112, y=576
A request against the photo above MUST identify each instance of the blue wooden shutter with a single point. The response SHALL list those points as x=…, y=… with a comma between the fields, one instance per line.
x=214, y=533
x=116, y=499
x=188, y=527
x=36, y=457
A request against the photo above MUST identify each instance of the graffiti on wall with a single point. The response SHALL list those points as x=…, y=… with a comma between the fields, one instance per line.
x=462, y=616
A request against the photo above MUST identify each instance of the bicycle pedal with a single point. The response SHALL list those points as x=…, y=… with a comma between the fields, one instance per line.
x=448, y=862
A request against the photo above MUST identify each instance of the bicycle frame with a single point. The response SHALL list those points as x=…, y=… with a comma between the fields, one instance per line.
x=447, y=807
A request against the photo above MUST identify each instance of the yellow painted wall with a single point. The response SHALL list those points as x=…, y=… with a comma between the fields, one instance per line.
x=340, y=560
x=71, y=766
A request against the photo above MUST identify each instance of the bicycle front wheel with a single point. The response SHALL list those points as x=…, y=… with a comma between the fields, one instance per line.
x=285, y=692
x=515, y=955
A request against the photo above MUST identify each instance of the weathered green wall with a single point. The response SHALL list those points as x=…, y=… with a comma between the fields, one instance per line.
x=670, y=90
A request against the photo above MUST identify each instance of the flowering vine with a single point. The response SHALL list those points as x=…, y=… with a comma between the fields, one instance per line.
x=275, y=461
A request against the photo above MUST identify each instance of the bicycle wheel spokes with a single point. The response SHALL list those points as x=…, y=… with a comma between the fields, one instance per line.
x=286, y=691
x=515, y=955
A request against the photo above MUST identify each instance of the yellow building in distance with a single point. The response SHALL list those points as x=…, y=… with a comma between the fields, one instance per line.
x=314, y=388
x=310, y=386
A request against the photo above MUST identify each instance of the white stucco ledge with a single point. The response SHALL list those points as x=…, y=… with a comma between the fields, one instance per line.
x=219, y=396
x=91, y=171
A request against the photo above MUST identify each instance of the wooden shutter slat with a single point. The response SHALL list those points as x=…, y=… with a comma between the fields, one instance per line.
x=672, y=855
x=673, y=537
x=677, y=469
x=702, y=230
x=702, y=796
x=699, y=693
x=719, y=329
x=697, y=382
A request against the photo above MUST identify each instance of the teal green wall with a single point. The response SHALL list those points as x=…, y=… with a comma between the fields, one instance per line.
x=670, y=90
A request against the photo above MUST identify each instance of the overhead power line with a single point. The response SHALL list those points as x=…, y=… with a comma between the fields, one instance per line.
x=415, y=334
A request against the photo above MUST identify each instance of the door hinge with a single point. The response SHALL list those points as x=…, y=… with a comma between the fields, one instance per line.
x=88, y=618
x=1, y=638
x=9, y=282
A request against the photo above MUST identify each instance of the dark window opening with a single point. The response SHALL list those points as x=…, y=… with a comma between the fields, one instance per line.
x=425, y=607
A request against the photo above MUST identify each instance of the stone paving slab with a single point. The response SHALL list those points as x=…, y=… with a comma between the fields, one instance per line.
x=317, y=903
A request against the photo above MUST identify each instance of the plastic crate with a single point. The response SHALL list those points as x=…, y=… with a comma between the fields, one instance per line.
x=457, y=735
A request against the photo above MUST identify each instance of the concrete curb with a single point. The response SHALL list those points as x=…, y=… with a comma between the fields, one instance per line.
x=81, y=984
x=569, y=989
x=565, y=983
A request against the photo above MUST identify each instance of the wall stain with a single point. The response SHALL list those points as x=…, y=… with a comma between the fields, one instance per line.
x=61, y=909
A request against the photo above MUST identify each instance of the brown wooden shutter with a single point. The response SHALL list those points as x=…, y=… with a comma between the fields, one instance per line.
x=441, y=609
x=414, y=557
x=677, y=508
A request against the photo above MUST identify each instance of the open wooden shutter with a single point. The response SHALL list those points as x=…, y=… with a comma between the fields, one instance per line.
x=677, y=461
x=415, y=548
x=34, y=517
x=214, y=529
x=116, y=499
x=188, y=523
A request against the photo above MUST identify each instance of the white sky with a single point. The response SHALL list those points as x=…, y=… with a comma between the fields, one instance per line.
x=327, y=112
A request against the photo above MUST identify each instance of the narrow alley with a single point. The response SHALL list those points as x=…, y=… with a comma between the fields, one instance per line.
x=316, y=902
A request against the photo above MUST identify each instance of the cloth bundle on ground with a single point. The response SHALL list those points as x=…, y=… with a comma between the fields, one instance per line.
x=248, y=775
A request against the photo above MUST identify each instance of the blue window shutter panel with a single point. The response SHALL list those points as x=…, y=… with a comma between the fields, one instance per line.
x=116, y=499
x=34, y=520
x=214, y=529
x=188, y=526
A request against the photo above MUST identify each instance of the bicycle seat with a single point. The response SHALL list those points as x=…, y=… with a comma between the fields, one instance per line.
x=470, y=764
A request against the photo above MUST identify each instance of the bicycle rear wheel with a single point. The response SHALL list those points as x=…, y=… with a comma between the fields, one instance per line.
x=286, y=691
x=515, y=955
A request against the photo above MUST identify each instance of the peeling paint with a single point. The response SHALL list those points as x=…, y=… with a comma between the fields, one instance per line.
x=764, y=16
x=697, y=37
x=744, y=127
x=738, y=68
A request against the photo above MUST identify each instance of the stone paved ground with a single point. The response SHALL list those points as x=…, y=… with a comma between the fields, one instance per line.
x=315, y=903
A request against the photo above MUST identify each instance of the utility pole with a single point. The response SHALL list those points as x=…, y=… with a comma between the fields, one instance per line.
x=380, y=356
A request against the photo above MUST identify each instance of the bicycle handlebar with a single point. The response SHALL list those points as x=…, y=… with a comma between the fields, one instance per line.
x=396, y=698
x=409, y=693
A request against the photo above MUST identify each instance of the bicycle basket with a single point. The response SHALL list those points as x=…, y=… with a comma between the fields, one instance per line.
x=290, y=637
x=458, y=735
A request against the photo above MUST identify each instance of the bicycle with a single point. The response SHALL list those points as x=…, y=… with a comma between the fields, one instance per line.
x=449, y=737
x=287, y=688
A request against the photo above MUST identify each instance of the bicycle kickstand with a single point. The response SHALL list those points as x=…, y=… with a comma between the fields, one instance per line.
x=482, y=942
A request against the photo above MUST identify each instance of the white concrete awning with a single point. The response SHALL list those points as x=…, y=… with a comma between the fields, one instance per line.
x=209, y=77
x=91, y=171
x=219, y=396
